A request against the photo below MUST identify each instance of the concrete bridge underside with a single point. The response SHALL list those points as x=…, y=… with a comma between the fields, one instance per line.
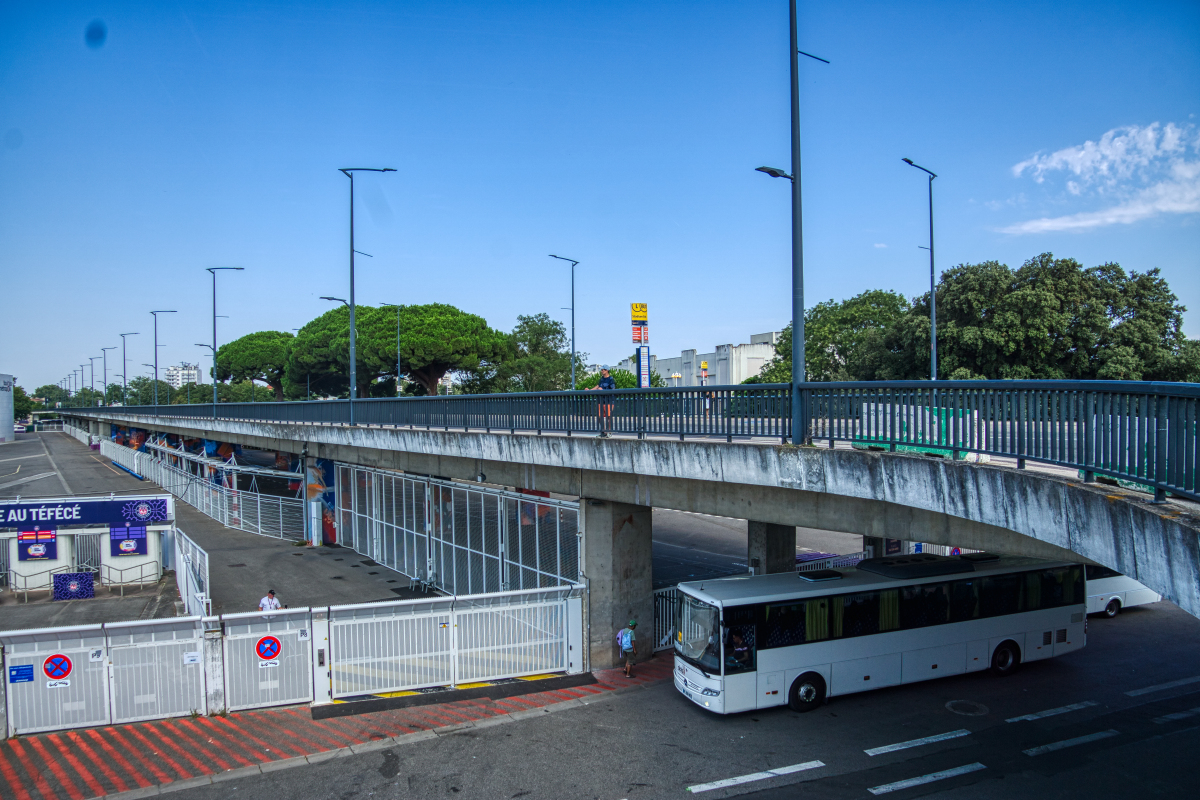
x=869, y=493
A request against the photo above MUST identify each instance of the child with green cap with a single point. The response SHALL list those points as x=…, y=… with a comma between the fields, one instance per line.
x=627, y=642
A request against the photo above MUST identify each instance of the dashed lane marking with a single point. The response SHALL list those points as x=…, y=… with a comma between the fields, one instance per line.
x=923, y=779
x=941, y=737
x=1053, y=711
x=1178, y=715
x=1164, y=686
x=1065, y=743
x=755, y=776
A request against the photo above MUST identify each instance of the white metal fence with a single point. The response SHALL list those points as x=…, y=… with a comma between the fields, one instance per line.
x=59, y=678
x=268, y=659
x=460, y=538
x=263, y=514
x=88, y=675
x=666, y=614
x=411, y=644
x=191, y=575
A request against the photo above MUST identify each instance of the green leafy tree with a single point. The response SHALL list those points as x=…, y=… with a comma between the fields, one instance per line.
x=320, y=352
x=51, y=395
x=23, y=405
x=434, y=339
x=835, y=335
x=260, y=356
x=1049, y=319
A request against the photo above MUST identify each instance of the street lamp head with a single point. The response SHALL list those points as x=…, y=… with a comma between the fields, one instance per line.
x=214, y=269
x=774, y=172
x=335, y=299
x=909, y=161
x=163, y=312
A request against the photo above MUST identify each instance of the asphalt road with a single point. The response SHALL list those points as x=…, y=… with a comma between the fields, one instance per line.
x=652, y=743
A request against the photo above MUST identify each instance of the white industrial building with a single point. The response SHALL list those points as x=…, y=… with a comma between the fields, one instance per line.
x=727, y=364
x=177, y=376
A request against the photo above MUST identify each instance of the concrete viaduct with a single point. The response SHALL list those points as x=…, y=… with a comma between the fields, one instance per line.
x=775, y=487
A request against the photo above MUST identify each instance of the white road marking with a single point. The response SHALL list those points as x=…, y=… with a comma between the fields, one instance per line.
x=930, y=778
x=1163, y=686
x=19, y=458
x=30, y=479
x=1054, y=711
x=1050, y=748
x=1177, y=715
x=941, y=737
x=756, y=776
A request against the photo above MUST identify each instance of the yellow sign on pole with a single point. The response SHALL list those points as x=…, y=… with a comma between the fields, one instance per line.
x=703, y=365
x=637, y=312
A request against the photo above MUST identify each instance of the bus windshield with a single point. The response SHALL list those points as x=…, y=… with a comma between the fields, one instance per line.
x=699, y=637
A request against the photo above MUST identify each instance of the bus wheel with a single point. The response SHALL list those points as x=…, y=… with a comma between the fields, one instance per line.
x=808, y=692
x=1113, y=608
x=1007, y=659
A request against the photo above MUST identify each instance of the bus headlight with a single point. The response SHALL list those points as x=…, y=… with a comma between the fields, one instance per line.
x=710, y=692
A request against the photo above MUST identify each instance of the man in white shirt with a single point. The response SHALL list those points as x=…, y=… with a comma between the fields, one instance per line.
x=269, y=603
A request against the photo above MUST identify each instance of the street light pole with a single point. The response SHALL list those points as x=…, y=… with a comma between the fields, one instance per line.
x=343, y=302
x=573, y=263
x=397, y=307
x=125, y=370
x=932, y=280
x=92, y=371
x=349, y=173
x=156, y=313
x=799, y=412
x=213, y=270
x=104, y=352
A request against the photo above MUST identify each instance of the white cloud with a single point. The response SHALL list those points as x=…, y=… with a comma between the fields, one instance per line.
x=1146, y=170
x=881, y=246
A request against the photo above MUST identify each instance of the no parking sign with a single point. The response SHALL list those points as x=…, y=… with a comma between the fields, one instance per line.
x=268, y=650
x=57, y=668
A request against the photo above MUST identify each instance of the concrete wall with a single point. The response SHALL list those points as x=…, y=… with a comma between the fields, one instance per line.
x=899, y=496
x=617, y=566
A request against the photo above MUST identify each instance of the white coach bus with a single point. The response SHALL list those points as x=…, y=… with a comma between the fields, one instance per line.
x=1109, y=591
x=797, y=638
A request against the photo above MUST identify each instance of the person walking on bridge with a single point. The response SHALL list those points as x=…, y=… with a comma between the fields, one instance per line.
x=607, y=384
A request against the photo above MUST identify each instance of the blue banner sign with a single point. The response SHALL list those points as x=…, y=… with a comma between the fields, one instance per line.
x=127, y=542
x=103, y=511
x=21, y=674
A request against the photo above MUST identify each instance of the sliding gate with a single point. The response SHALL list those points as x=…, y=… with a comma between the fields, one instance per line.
x=415, y=644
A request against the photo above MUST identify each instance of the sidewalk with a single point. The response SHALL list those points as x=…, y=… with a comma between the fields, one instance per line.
x=166, y=755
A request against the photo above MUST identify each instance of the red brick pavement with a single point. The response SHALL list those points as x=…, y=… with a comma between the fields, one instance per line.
x=93, y=762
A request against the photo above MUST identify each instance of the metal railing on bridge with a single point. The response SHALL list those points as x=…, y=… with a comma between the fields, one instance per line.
x=1141, y=432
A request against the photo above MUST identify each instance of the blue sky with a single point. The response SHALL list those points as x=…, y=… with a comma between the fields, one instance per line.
x=621, y=134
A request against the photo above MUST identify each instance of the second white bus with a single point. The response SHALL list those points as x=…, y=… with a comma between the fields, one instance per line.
x=797, y=638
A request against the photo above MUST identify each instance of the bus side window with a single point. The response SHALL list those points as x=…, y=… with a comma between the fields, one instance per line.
x=964, y=600
x=924, y=605
x=1000, y=595
x=783, y=625
x=856, y=614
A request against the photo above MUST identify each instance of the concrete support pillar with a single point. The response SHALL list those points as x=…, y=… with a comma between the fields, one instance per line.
x=770, y=548
x=873, y=546
x=618, y=565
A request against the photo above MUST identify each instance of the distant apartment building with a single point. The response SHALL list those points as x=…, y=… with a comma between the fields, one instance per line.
x=727, y=364
x=184, y=373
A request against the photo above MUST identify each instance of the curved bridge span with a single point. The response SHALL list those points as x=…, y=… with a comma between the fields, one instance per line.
x=898, y=495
